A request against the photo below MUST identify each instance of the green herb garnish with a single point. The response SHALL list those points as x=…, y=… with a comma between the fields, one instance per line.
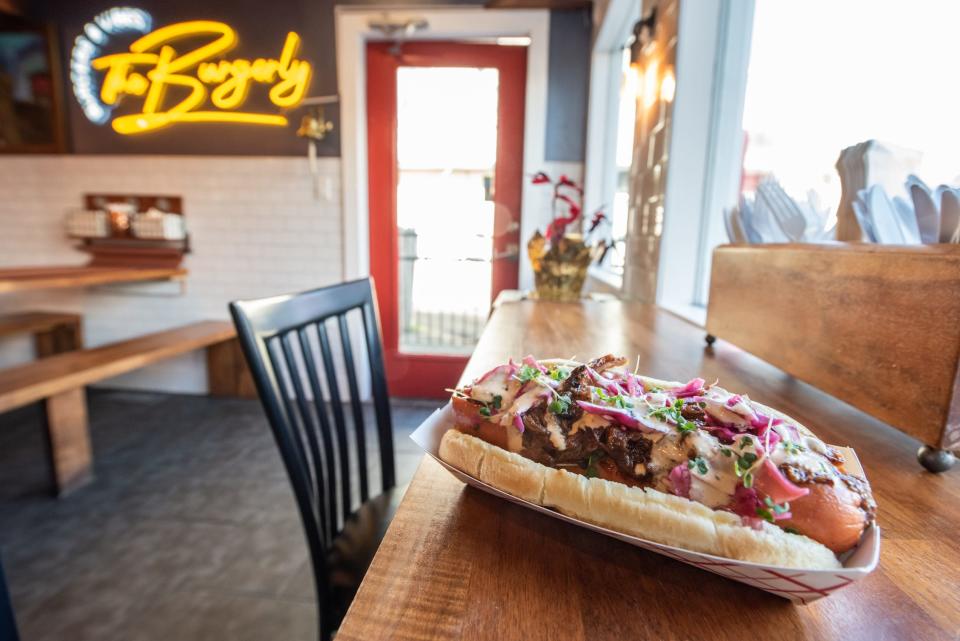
x=792, y=448
x=618, y=400
x=777, y=509
x=726, y=451
x=698, y=464
x=528, y=373
x=491, y=408
x=560, y=404
x=674, y=413
x=770, y=510
x=559, y=374
x=744, y=463
x=592, y=460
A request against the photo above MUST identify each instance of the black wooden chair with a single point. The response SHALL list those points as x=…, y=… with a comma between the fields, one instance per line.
x=287, y=344
x=8, y=625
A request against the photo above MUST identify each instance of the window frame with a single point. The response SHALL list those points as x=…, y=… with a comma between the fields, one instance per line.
x=713, y=54
x=600, y=169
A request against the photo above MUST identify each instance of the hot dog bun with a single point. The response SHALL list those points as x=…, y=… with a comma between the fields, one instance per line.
x=644, y=513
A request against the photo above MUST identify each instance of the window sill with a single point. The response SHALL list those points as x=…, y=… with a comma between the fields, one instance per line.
x=607, y=278
x=695, y=314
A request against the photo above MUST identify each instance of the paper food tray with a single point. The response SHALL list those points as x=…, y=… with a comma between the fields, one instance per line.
x=800, y=586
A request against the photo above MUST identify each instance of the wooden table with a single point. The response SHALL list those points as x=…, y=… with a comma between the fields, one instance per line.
x=457, y=563
x=16, y=279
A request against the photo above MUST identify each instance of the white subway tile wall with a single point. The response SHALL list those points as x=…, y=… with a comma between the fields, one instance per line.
x=256, y=229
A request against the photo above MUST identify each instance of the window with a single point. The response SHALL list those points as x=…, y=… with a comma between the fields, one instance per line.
x=619, y=202
x=610, y=130
x=825, y=75
x=804, y=79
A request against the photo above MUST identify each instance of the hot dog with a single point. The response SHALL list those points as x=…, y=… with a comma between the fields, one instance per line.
x=618, y=449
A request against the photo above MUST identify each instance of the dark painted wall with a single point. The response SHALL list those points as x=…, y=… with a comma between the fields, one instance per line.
x=261, y=28
x=568, y=85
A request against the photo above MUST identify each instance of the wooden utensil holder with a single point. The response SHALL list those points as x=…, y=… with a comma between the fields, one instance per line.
x=877, y=326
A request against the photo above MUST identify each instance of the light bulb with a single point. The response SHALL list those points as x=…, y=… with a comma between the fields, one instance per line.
x=650, y=81
x=633, y=80
x=668, y=86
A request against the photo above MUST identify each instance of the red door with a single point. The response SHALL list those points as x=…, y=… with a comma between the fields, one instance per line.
x=445, y=149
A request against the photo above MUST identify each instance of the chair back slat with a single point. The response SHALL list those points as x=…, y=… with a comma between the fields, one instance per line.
x=378, y=384
x=359, y=427
x=329, y=461
x=340, y=424
x=299, y=387
x=295, y=432
x=279, y=412
x=308, y=421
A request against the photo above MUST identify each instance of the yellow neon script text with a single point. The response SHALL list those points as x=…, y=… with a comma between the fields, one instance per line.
x=230, y=79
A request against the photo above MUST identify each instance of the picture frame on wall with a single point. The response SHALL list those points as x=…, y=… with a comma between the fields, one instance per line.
x=31, y=91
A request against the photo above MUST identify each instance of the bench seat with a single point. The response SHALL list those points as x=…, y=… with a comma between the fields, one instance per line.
x=59, y=382
x=53, y=332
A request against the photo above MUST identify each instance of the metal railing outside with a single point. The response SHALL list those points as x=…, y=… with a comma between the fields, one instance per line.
x=454, y=330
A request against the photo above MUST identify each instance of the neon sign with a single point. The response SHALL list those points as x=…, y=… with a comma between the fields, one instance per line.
x=152, y=65
x=87, y=46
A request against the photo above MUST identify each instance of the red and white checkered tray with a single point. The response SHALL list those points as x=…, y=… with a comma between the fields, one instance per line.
x=800, y=586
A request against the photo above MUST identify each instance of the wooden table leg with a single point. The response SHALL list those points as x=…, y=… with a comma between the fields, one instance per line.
x=69, y=437
x=227, y=371
x=935, y=460
x=62, y=338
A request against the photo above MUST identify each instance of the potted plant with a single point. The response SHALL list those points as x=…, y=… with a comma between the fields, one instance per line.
x=560, y=257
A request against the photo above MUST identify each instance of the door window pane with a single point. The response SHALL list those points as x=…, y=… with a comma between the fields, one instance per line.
x=446, y=154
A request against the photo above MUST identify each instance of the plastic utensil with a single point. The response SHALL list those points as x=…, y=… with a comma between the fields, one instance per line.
x=884, y=219
x=927, y=213
x=949, y=215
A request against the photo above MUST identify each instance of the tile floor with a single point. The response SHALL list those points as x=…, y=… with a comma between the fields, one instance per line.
x=189, y=531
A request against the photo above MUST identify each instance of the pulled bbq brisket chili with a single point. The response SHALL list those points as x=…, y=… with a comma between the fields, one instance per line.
x=626, y=449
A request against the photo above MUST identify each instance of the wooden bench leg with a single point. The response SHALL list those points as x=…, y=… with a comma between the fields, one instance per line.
x=69, y=439
x=62, y=338
x=227, y=371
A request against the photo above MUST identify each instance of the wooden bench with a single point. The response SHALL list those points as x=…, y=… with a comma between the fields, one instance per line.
x=53, y=332
x=59, y=382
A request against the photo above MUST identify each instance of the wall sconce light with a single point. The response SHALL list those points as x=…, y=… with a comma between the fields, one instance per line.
x=668, y=86
x=651, y=82
x=633, y=81
x=645, y=79
x=314, y=127
x=643, y=33
x=314, y=124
